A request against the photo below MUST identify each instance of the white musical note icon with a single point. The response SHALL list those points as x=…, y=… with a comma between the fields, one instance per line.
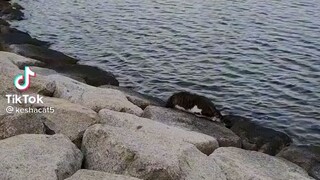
x=25, y=78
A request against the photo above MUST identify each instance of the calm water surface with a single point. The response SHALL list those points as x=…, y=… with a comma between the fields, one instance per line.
x=255, y=58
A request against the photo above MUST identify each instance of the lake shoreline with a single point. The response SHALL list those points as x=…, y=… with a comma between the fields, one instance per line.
x=73, y=89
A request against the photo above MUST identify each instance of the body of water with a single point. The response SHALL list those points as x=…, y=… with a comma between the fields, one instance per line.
x=254, y=58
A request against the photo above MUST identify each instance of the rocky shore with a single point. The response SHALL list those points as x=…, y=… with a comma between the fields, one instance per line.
x=99, y=130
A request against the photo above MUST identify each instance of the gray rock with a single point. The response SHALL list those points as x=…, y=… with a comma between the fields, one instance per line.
x=137, y=98
x=43, y=71
x=3, y=106
x=188, y=121
x=9, y=68
x=12, y=124
x=256, y=137
x=15, y=124
x=92, y=97
x=85, y=174
x=42, y=54
x=204, y=143
x=144, y=155
x=69, y=119
x=307, y=157
x=30, y=156
x=239, y=164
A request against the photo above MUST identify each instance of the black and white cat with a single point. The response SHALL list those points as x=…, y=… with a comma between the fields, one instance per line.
x=195, y=104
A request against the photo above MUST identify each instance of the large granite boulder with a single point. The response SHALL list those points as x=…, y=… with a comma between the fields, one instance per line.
x=191, y=122
x=9, y=68
x=64, y=117
x=15, y=124
x=92, y=97
x=42, y=54
x=3, y=106
x=30, y=156
x=137, y=98
x=85, y=174
x=307, y=157
x=256, y=137
x=140, y=153
x=204, y=143
x=239, y=164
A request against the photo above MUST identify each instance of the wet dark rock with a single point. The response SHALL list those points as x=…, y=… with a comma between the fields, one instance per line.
x=42, y=54
x=137, y=98
x=4, y=23
x=10, y=36
x=93, y=76
x=17, y=6
x=11, y=13
x=4, y=5
x=255, y=137
x=7, y=29
x=307, y=157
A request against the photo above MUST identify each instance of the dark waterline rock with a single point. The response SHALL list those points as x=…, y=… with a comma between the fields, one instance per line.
x=17, y=6
x=307, y=157
x=10, y=36
x=3, y=22
x=93, y=76
x=256, y=137
x=11, y=12
x=42, y=54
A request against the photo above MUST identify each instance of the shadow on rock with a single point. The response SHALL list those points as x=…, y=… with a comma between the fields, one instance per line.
x=255, y=137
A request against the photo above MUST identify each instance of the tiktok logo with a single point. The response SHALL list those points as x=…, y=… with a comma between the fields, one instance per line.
x=25, y=78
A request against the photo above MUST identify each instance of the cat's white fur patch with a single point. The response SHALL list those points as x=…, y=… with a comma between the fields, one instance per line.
x=216, y=119
x=195, y=109
x=180, y=108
